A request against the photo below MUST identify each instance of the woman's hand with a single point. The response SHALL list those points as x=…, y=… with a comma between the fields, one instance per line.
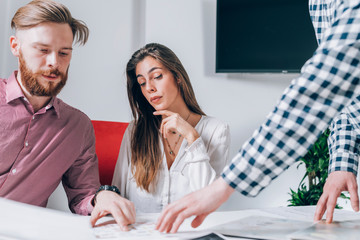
x=173, y=122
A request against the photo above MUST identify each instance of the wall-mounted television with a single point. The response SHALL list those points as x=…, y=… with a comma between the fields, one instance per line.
x=263, y=35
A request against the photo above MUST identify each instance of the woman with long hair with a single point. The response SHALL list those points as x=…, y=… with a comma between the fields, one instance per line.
x=171, y=148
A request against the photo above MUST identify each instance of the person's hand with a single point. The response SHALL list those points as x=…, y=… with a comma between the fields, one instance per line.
x=336, y=182
x=200, y=203
x=173, y=122
x=108, y=202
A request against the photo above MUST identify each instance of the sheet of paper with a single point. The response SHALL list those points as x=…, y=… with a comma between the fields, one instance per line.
x=349, y=230
x=261, y=227
x=23, y=221
x=306, y=213
x=144, y=228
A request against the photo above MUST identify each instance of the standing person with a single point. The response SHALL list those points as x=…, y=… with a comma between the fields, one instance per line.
x=44, y=141
x=171, y=148
x=327, y=83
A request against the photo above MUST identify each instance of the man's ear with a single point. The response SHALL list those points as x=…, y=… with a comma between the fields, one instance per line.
x=15, y=46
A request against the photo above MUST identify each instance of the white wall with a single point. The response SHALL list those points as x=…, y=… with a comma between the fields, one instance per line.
x=3, y=8
x=4, y=40
x=97, y=81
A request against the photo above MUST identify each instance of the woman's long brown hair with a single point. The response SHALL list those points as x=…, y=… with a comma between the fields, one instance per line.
x=146, y=155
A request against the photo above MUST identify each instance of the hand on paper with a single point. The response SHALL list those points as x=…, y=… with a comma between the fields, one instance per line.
x=173, y=122
x=108, y=202
x=336, y=182
x=200, y=203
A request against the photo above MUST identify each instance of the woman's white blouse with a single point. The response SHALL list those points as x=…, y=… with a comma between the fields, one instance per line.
x=194, y=167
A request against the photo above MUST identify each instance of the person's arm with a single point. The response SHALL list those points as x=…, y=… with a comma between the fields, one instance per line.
x=203, y=163
x=81, y=180
x=327, y=83
x=343, y=149
x=219, y=148
x=343, y=143
x=108, y=202
x=120, y=177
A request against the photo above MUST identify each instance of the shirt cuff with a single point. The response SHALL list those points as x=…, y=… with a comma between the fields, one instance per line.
x=85, y=207
x=344, y=161
x=196, y=151
x=244, y=177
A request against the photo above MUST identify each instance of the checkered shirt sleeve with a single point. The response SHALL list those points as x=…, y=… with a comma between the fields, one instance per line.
x=344, y=140
x=326, y=84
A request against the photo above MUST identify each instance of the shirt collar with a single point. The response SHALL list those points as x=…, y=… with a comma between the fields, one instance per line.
x=54, y=102
x=13, y=92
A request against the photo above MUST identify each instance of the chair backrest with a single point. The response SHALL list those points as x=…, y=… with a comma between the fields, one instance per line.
x=108, y=140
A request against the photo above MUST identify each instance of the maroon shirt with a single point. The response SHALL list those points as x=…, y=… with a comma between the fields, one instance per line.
x=39, y=150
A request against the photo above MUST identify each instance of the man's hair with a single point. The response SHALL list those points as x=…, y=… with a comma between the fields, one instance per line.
x=41, y=11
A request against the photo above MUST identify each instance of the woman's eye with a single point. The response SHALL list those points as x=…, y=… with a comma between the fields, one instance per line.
x=43, y=50
x=142, y=84
x=63, y=54
x=158, y=77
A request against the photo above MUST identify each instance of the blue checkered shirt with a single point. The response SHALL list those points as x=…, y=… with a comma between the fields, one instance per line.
x=328, y=82
x=344, y=139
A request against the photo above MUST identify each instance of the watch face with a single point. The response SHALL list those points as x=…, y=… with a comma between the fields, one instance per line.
x=108, y=188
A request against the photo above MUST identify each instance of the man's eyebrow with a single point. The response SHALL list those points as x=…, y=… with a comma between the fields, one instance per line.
x=47, y=45
x=152, y=69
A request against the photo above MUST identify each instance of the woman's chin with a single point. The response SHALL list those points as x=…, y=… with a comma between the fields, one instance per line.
x=159, y=108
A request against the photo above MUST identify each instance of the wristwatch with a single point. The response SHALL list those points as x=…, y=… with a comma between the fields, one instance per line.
x=105, y=188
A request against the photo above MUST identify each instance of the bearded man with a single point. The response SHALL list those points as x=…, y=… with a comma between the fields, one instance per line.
x=44, y=141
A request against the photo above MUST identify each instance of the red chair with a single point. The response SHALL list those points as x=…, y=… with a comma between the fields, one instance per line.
x=108, y=140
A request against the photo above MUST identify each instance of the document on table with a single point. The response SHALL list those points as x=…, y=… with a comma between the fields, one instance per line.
x=27, y=222
x=294, y=223
x=23, y=221
x=144, y=228
x=349, y=230
x=306, y=213
x=261, y=227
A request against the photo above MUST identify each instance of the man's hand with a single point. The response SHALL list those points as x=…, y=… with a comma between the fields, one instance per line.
x=336, y=183
x=108, y=202
x=200, y=203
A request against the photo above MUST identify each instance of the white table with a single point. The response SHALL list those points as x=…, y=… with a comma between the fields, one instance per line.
x=22, y=221
x=272, y=223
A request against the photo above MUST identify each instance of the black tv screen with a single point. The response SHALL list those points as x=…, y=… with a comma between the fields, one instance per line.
x=263, y=35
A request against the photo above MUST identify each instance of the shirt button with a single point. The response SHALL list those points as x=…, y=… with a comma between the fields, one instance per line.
x=26, y=143
x=34, y=117
x=14, y=171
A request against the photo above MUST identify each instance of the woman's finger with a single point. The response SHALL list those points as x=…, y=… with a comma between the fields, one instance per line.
x=163, y=112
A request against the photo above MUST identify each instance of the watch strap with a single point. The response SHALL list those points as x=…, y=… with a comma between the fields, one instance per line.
x=105, y=188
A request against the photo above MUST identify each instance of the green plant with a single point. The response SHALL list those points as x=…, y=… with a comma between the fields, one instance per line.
x=316, y=162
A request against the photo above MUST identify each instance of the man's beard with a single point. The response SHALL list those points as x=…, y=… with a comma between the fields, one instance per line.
x=30, y=82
